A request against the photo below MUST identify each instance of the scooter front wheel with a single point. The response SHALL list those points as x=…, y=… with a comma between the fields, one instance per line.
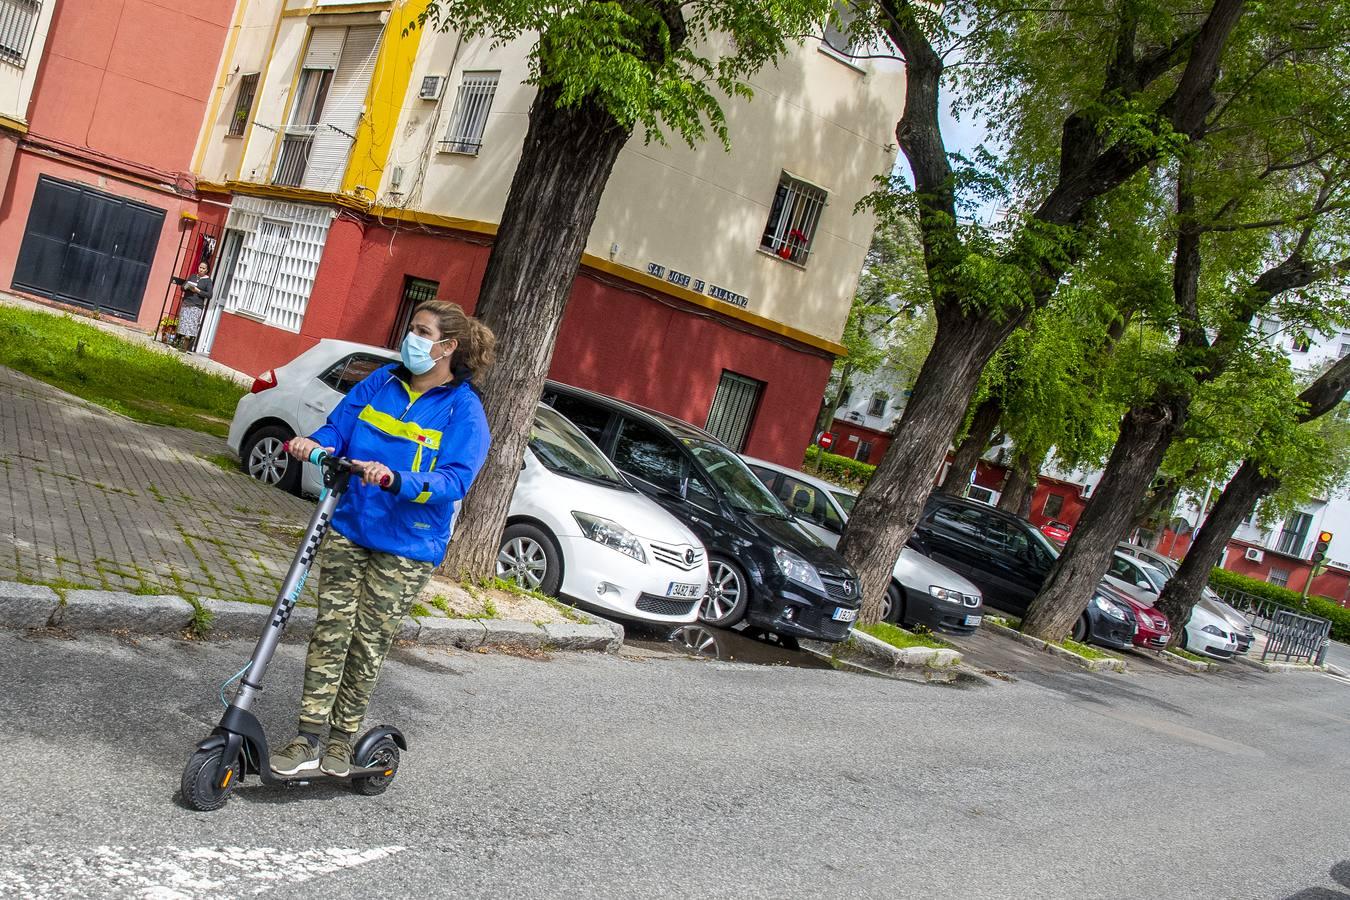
x=203, y=788
x=384, y=756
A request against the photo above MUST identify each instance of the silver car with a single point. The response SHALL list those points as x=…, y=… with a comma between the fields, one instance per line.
x=1157, y=568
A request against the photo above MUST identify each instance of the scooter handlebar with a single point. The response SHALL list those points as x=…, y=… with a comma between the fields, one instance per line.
x=321, y=457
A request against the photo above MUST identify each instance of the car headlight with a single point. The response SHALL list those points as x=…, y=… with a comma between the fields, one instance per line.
x=798, y=569
x=1214, y=630
x=947, y=594
x=611, y=534
x=1109, y=608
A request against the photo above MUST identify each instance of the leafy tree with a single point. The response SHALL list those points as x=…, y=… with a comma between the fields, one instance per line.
x=1306, y=443
x=602, y=70
x=1090, y=93
x=1258, y=194
x=889, y=324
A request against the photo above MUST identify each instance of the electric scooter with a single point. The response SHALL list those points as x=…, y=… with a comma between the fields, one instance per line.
x=237, y=746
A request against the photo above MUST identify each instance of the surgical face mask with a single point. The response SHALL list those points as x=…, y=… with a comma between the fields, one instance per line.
x=416, y=353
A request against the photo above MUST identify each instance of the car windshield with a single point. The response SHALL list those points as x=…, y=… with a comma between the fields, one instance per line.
x=738, y=484
x=845, y=501
x=1044, y=542
x=562, y=448
x=1154, y=576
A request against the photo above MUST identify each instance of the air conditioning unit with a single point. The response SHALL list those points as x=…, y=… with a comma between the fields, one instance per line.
x=1254, y=555
x=432, y=85
x=982, y=495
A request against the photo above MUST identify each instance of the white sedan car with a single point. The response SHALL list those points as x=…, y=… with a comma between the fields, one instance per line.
x=575, y=528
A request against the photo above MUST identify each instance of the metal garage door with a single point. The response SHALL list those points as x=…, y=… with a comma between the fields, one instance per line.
x=86, y=247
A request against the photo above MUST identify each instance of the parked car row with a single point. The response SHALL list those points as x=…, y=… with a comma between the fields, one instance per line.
x=640, y=515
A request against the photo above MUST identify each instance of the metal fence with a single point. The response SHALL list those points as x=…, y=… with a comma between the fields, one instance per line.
x=1291, y=635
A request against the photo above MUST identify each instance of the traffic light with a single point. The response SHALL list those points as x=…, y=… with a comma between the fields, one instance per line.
x=1320, y=548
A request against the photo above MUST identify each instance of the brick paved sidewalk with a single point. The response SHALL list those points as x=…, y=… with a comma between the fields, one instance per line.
x=93, y=499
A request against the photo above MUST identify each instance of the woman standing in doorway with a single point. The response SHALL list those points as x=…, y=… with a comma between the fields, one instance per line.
x=419, y=436
x=196, y=294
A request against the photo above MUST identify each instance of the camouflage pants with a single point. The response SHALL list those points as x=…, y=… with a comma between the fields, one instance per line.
x=363, y=597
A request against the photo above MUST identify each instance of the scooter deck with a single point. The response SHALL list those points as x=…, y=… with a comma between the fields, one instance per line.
x=317, y=775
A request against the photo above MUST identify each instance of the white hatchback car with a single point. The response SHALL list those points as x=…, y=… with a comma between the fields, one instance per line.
x=575, y=528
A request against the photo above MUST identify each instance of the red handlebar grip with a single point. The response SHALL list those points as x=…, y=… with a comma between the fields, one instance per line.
x=386, y=481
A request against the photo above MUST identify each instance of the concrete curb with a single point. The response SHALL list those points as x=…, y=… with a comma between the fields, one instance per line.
x=36, y=606
x=1172, y=659
x=1279, y=666
x=863, y=650
x=1110, y=664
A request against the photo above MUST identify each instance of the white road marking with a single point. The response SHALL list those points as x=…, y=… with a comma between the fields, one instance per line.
x=168, y=873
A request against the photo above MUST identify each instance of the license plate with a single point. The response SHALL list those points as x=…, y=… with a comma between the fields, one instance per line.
x=974, y=620
x=682, y=589
x=844, y=615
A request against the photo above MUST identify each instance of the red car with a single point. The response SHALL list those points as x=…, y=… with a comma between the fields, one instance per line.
x=1057, y=532
x=1153, y=631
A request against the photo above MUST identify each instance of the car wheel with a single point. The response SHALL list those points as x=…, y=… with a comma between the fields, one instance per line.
x=265, y=458
x=893, y=604
x=1080, y=630
x=530, y=558
x=728, y=593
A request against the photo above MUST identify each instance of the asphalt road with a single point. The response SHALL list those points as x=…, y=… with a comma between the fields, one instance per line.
x=612, y=777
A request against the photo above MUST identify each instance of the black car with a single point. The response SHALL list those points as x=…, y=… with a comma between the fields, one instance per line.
x=1007, y=557
x=1108, y=620
x=765, y=568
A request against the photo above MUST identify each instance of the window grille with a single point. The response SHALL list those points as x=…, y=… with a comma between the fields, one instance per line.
x=16, y=29
x=469, y=117
x=878, y=405
x=793, y=220
x=248, y=86
x=733, y=409
x=279, y=257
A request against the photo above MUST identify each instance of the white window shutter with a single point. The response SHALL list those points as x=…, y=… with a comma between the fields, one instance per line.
x=342, y=109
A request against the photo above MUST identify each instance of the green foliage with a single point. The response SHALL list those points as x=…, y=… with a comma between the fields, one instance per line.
x=837, y=469
x=1083, y=649
x=1325, y=607
x=657, y=65
x=899, y=637
x=147, y=385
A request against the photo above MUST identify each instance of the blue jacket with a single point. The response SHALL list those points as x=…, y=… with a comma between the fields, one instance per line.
x=435, y=446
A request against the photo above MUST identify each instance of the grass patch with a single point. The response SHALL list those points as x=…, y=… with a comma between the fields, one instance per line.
x=1186, y=654
x=223, y=461
x=1083, y=649
x=138, y=382
x=899, y=637
x=202, y=618
x=419, y=611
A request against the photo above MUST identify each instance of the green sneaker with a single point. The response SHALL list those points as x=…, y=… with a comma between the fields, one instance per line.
x=300, y=755
x=337, y=758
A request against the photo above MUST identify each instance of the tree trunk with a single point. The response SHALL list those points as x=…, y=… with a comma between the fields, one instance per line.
x=972, y=447
x=831, y=404
x=889, y=507
x=1145, y=434
x=1238, y=499
x=1019, y=486
x=567, y=159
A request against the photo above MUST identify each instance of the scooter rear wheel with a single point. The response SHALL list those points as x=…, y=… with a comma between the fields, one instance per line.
x=384, y=755
x=202, y=790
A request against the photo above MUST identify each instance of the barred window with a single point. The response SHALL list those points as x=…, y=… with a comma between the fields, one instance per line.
x=469, y=116
x=793, y=219
x=16, y=28
x=248, y=86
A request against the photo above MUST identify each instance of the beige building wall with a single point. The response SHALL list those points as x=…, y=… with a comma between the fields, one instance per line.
x=699, y=211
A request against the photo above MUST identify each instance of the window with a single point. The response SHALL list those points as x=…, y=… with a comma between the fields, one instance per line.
x=16, y=29
x=846, y=396
x=590, y=419
x=793, y=219
x=1278, y=576
x=961, y=519
x=806, y=502
x=415, y=292
x=650, y=455
x=281, y=245
x=1054, y=504
x=1294, y=534
x=878, y=405
x=1345, y=348
x=733, y=409
x=470, y=114
x=864, y=451
x=1005, y=537
x=248, y=86
x=1301, y=342
x=346, y=373
x=837, y=36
